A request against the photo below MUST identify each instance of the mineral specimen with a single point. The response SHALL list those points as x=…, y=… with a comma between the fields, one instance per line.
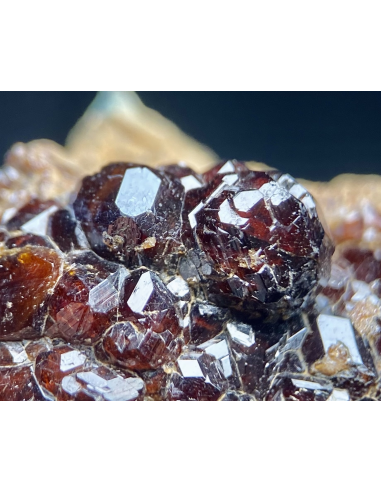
x=168, y=284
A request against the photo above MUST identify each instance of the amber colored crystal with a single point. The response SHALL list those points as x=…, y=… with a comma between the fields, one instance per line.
x=68, y=374
x=155, y=383
x=26, y=276
x=36, y=347
x=52, y=366
x=138, y=350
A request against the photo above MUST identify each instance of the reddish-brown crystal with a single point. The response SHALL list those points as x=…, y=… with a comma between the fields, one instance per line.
x=18, y=383
x=68, y=374
x=131, y=213
x=205, y=322
x=65, y=231
x=27, y=240
x=257, y=242
x=210, y=307
x=54, y=365
x=286, y=388
x=127, y=346
x=84, y=302
x=26, y=276
x=155, y=383
x=200, y=378
x=28, y=212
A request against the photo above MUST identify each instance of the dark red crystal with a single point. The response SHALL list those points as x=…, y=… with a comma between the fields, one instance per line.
x=205, y=322
x=170, y=285
x=28, y=212
x=149, y=337
x=65, y=231
x=131, y=213
x=28, y=240
x=19, y=384
x=85, y=300
x=68, y=374
x=258, y=242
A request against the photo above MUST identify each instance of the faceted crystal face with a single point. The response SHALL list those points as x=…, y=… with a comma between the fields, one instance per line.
x=67, y=374
x=149, y=338
x=12, y=353
x=330, y=352
x=147, y=301
x=137, y=192
x=258, y=242
x=85, y=299
x=294, y=389
x=126, y=346
x=18, y=384
x=253, y=237
x=200, y=377
x=353, y=295
x=334, y=330
x=65, y=231
x=170, y=285
x=188, y=178
x=205, y=321
x=131, y=214
x=24, y=218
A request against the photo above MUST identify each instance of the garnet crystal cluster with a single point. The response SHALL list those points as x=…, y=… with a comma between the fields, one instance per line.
x=164, y=284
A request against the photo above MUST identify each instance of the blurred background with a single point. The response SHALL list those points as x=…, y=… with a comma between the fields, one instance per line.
x=314, y=135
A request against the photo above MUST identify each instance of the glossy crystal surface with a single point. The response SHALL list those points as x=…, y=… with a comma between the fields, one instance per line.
x=164, y=284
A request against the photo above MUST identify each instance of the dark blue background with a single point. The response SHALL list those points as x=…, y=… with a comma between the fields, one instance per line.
x=308, y=134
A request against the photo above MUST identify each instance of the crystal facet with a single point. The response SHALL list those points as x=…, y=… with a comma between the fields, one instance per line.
x=166, y=284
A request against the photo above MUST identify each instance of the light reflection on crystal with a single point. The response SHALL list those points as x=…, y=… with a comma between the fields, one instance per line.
x=333, y=330
x=106, y=295
x=218, y=302
x=38, y=225
x=137, y=192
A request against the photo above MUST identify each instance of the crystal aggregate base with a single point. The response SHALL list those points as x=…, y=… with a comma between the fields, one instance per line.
x=170, y=285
